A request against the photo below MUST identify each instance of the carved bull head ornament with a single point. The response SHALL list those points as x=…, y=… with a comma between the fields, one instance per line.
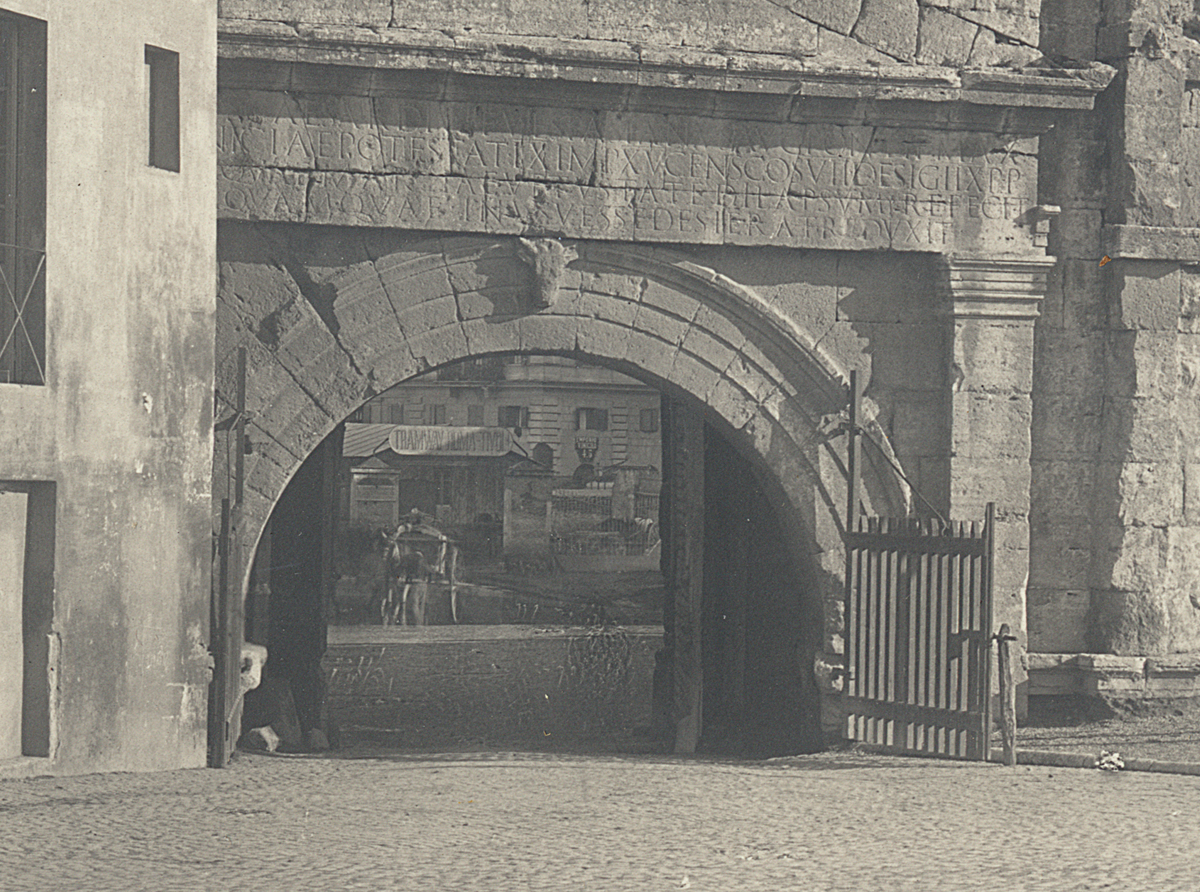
x=548, y=257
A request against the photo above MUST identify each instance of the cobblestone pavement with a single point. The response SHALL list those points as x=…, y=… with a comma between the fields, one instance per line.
x=1169, y=734
x=514, y=821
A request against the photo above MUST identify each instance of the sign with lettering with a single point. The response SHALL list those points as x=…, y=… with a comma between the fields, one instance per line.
x=478, y=167
x=478, y=442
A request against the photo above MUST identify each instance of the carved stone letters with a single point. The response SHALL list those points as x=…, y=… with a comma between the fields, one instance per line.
x=480, y=167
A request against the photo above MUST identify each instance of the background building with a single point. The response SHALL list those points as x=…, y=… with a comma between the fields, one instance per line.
x=567, y=412
x=551, y=451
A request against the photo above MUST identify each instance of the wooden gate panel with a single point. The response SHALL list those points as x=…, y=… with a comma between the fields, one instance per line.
x=918, y=635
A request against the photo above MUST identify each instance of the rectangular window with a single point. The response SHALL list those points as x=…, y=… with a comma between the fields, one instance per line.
x=395, y=413
x=475, y=416
x=443, y=482
x=22, y=200
x=164, y=107
x=588, y=419
x=648, y=421
x=512, y=417
x=437, y=413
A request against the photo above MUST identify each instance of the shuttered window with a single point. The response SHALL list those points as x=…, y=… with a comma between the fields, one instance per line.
x=22, y=200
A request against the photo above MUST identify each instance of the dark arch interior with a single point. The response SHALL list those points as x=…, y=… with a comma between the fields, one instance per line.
x=761, y=625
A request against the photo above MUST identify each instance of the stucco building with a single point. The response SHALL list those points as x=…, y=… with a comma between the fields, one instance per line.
x=107, y=248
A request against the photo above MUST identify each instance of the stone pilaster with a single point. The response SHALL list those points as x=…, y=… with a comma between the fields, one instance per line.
x=991, y=305
x=1143, y=561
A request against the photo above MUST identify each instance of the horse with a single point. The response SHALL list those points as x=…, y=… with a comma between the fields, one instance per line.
x=408, y=570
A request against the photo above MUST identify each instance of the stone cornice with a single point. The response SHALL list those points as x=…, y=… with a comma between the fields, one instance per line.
x=615, y=62
x=1007, y=288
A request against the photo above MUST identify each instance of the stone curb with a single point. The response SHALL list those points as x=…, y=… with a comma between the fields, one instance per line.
x=1088, y=760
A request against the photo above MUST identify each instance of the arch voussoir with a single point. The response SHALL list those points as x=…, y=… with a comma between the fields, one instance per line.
x=424, y=258
x=439, y=346
x=732, y=402
x=550, y=333
x=653, y=354
x=367, y=321
x=670, y=302
x=428, y=314
x=667, y=327
x=702, y=376
x=486, y=336
x=410, y=284
x=680, y=325
x=701, y=344
x=606, y=307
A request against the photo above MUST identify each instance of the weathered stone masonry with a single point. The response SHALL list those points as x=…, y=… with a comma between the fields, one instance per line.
x=1113, y=562
x=374, y=181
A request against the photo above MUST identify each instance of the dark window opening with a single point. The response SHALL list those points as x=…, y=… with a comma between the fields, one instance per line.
x=515, y=417
x=588, y=419
x=437, y=413
x=648, y=421
x=396, y=413
x=164, y=108
x=444, y=487
x=22, y=200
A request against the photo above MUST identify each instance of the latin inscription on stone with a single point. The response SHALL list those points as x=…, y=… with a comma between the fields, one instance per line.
x=395, y=162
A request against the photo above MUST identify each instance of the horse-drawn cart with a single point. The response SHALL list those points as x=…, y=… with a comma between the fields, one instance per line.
x=418, y=558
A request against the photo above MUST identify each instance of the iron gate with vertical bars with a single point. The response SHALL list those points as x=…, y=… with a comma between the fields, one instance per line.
x=918, y=635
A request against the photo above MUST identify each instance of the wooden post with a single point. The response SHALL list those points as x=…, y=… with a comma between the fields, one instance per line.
x=1008, y=694
x=226, y=632
x=853, y=453
x=852, y=458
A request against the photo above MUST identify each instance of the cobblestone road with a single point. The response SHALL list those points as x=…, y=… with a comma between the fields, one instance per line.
x=498, y=822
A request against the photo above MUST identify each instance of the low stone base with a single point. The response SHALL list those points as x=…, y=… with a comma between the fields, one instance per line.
x=1122, y=682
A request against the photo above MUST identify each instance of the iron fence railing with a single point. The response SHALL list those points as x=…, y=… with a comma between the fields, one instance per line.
x=22, y=315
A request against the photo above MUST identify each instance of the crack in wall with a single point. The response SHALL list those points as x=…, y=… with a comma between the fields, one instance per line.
x=980, y=27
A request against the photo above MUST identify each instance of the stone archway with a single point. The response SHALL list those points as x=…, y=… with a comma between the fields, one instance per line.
x=712, y=343
x=661, y=316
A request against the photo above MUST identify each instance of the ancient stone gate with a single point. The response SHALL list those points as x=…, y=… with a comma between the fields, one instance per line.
x=741, y=239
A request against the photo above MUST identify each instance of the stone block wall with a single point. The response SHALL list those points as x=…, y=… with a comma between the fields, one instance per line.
x=1071, y=347
x=1113, y=559
x=953, y=33
x=489, y=685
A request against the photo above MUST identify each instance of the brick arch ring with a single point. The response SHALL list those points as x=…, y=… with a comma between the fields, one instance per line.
x=649, y=312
